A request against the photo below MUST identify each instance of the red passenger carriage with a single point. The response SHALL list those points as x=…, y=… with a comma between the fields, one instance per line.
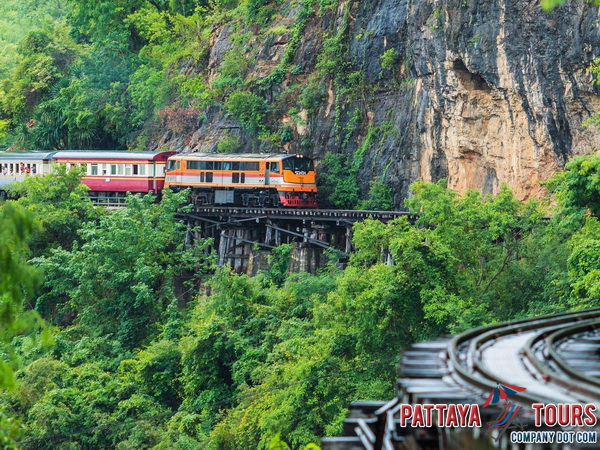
x=109, y=175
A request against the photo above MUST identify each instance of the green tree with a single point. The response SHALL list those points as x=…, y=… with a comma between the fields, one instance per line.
x=243, y=339
x=583, y=266
x=577, y=188
x=456, y=282
x=121, y=278
x=46, y=57
x=59, y=203
x=17, y=18
x=338, y=181
x=17, y=282
x=380, y=197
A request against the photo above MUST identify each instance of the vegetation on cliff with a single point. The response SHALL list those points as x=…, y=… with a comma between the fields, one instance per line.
x=140, y=359
x=106, y=74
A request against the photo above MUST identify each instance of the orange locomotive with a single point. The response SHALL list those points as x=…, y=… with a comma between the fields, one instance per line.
x=245, y=179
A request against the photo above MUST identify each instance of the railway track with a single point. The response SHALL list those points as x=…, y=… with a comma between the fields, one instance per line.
x=350, y=216
x=556, y=358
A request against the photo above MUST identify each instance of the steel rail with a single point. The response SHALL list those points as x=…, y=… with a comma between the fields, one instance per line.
x=552, y=344
x=589, y=388
x=473, y=371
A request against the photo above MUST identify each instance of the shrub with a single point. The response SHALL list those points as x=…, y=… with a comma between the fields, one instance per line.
x=312, y=95
x=249, y=109
x=380, y=197
x=389, y=58
x=339, y=181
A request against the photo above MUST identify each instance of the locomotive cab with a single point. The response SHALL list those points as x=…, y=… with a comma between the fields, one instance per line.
x=173, y=171
x=299, y=169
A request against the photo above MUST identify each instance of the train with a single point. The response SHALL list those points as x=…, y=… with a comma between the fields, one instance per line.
x=264, y=180
x=250, y=180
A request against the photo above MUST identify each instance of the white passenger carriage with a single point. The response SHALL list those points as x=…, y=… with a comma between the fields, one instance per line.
x=16, y=166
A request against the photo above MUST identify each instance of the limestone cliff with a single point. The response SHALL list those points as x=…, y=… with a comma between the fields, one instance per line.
x=480, y=92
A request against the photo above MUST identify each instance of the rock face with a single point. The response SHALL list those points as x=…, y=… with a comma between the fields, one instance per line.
x=480, y=92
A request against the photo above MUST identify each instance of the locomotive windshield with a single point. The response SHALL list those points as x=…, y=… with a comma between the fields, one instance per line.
x=298, y=165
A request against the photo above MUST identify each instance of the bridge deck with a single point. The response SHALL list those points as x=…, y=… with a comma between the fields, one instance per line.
x=302, y=214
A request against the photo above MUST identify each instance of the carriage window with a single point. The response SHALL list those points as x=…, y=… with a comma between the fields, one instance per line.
x=113, y=169
x=243, y=178
x=135, y=169
x=128, y=169
x=298, y=165
x=201, y=177
x=196, y=165
x=142, y=170
x=93, y=169
x=210, y=165
x=235, y=178
x=171, y=165
x=209, y=177
x=217, y=165
x=249, y=166
x=120, y=168
x=275, y=167
x=235, y=165
x=226, y=165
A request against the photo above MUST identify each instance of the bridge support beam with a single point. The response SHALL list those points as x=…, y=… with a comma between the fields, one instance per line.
x=306, y=258
x=242, y=236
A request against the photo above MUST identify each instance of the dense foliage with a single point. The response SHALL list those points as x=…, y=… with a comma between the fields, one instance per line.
x=82, y=74
x=143, y=358
x=17, y=283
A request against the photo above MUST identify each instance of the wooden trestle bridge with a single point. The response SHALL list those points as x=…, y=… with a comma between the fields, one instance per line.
x=243, y=236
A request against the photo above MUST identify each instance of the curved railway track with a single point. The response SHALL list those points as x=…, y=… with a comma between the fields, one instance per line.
x=557, y=359
x=523, y=353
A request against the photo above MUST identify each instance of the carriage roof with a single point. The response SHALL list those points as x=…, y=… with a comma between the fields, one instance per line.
x=26, y=156
x=108, y=154
x=232, y=156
